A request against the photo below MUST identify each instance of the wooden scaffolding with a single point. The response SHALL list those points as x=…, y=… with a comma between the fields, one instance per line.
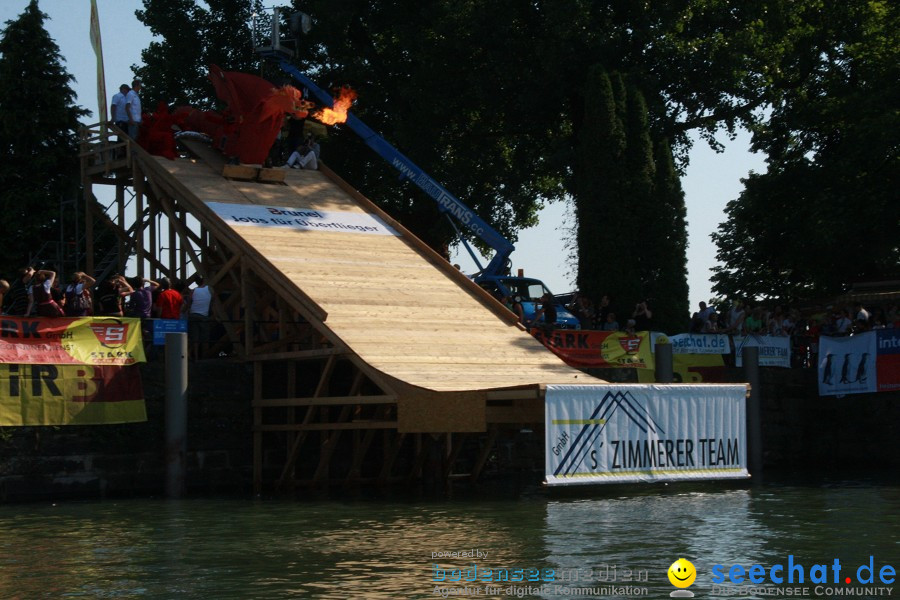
x=374, y=360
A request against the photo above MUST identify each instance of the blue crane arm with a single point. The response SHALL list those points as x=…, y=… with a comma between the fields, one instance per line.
x=447, y=202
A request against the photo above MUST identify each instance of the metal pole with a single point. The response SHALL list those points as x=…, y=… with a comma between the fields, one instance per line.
x=750, y=356
x=176, y=412
x=665, y=370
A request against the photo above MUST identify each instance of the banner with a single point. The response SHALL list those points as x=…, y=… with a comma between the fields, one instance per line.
x=847, y=364
x=301, y=219
x=691, y=368
x=98, y=52
x=600, y=349
x=631, y=433
x=700, y=343
x=774, y=351
x=68, y=341
x=887, y=363
x=70, y=395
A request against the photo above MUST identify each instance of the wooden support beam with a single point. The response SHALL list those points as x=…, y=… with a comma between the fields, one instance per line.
x=326, y=401
x=484, y=454
x=455, y=449
x=391, y=457
x=257, y=429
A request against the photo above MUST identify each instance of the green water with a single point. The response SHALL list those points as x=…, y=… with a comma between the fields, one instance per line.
x=238, y=548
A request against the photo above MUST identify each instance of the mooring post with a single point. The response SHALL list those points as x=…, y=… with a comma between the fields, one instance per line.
x=176, y=412
x=750, y=356
x=665, y=371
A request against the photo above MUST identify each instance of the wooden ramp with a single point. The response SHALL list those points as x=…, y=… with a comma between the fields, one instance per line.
x=396, y=304
x=373, y=359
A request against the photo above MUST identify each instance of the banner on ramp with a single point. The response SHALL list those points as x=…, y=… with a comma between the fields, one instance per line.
x=300, y=219
x=630, y=433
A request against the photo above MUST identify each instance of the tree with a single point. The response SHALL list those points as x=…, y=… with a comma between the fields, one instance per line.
x=38, y=137
x=826, y=212
x=194, y=35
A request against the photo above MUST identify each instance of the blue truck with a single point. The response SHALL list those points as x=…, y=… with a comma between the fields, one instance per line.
x=495, y=277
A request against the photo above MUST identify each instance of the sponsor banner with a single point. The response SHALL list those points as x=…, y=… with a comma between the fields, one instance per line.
x=691, y=368
x=600, y=349
x=700, y=343
x=301, y=219
x=774, y=351
x=847, y=364
x=66, y=341
x=629, y=433
x=38, y=394
x=163, y=326
x=887, y=363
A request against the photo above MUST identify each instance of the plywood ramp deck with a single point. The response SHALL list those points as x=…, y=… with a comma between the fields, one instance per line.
x=398, y=306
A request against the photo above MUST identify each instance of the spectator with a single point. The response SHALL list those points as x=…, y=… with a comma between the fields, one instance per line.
x=117, y=111
x=78, y=295
x=515, y=305
x=602, y=310
x=111, y=296
x=169, y=301
x=133, y=109
x=611, y=324
x=19, y=301
x=140, y=299
x=583, y=309
x=754, y=323
x=46, y=306
x=4, y=288
x=842, y=323
x=547, y=311
x=736, y=316
x=712, y=323
x=197, y=305
x=630, y=327
x=642, y=316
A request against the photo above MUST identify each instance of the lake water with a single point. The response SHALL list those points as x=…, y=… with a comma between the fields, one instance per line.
x=617, y=543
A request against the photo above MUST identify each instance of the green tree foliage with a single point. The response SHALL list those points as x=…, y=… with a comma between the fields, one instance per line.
x=193, y=35
x=826, y=212
x=38, y=137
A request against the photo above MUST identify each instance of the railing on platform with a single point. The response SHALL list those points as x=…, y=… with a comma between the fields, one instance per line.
x=100, y=151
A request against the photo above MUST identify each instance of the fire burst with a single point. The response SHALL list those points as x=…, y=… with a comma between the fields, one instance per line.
x=338, y=113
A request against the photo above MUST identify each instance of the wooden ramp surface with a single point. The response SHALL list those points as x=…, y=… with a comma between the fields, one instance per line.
x=401, y=308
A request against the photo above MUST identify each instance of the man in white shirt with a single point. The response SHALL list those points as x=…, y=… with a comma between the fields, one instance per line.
x=133, y=109
x=198, y=317
x=117, y=112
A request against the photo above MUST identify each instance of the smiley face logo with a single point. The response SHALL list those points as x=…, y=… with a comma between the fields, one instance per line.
x=682, y=573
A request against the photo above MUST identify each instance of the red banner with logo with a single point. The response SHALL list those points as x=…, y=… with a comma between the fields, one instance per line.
x=600, y=349
x=68, y=341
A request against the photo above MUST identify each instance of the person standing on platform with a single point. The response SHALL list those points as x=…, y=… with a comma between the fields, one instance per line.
x=169, y=302
x=117, y=111
x=133, y=109
x=197, y=306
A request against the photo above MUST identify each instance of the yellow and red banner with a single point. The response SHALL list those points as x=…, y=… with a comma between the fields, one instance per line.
x=70, y=395
x=71, y=341
x=600, y=349
x=617, y=349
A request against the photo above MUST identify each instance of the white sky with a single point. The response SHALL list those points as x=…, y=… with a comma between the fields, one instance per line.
x=711, y=181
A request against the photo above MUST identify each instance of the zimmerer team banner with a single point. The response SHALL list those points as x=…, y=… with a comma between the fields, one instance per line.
x=68, y=341
x=70, y=395
x=627, y=433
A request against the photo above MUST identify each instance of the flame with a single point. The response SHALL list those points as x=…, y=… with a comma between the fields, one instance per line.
x=338, y=113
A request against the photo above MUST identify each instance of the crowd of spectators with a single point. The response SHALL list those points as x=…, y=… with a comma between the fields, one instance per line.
x=39, y=293
x=744, y=318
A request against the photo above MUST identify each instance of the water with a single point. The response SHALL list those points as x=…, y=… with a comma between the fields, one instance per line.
x=238, y=548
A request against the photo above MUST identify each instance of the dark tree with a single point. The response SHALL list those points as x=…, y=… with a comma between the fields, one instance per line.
x=826, y=213
x=38, y=137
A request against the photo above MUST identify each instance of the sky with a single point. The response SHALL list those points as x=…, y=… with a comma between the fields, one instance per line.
x=710, y=182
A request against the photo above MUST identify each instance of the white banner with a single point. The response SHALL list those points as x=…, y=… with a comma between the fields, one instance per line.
x=847, y=364
x=300, y=218
x=627, y=433
x=700, y=343
x=774, y=351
